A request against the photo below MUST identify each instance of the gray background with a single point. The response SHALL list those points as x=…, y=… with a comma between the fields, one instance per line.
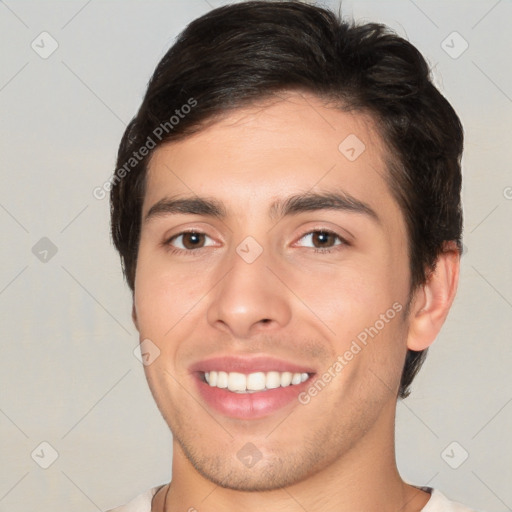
x=68, y=374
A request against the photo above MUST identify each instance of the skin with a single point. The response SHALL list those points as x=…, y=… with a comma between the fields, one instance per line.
x=337, y=452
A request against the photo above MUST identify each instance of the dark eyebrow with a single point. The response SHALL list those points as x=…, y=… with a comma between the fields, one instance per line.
x=312, y=201
x=206, y=206
x=292, y=205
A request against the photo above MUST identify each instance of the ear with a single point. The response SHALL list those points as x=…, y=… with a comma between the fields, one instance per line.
x=134, y=316
x=433, y=300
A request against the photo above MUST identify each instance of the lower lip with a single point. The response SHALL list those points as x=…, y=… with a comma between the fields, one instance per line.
x=249, y=406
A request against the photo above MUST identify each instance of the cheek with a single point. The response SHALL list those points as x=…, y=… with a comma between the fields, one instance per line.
x=349, y=294
x=163, y=295
x=362, y=304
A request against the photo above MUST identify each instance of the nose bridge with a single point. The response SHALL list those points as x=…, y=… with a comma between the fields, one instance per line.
x=249, y=295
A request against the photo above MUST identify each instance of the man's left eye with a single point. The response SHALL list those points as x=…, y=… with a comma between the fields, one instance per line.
x=324, y=239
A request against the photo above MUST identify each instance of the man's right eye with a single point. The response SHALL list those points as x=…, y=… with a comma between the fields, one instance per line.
x=186, y=241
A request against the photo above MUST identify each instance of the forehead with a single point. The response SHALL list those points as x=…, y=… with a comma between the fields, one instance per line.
x=253, y=156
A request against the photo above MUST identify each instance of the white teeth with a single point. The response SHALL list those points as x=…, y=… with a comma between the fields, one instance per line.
x=222, y=379
x=286, y=379
x=255, y=381
x=258, y=381
x=236, y=381
x=297, y=378
x=273, y=380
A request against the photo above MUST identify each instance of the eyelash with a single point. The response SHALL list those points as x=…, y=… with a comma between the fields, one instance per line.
x=194, y=252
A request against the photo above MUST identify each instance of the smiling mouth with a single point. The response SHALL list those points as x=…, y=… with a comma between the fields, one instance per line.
x=253, y=382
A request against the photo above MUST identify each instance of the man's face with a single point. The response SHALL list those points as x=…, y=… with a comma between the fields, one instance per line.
x=256, y=291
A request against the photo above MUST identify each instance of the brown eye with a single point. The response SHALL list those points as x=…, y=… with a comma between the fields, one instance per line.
x=322, y=239
x=193, y=240
x=188, y=241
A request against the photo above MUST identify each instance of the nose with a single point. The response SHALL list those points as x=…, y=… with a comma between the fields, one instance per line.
x=249, y=298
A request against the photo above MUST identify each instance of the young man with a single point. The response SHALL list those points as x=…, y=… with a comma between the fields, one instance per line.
x=287, y=209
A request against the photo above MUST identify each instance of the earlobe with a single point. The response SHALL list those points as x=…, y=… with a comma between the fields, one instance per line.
x=433, y=300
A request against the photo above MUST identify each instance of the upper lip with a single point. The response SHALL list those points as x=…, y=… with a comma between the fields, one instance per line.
x=244, y=364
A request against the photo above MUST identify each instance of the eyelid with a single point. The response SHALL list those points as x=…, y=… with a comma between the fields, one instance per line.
x=202, y=228
x=313, y=227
